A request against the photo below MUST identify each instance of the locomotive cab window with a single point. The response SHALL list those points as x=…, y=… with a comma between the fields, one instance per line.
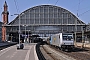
x=70, y=37
x=67, y=37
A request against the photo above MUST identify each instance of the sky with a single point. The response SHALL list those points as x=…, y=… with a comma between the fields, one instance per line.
x=80, y=8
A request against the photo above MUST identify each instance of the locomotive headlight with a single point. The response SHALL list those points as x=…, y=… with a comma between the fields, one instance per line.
x=63, y=43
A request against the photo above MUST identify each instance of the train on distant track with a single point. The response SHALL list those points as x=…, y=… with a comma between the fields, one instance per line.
x=62, y=40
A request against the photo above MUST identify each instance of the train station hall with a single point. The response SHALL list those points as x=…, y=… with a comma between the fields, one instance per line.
x=42, y=20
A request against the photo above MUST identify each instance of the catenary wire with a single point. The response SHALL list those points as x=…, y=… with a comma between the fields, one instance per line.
x=16, y=4
x=56, y=2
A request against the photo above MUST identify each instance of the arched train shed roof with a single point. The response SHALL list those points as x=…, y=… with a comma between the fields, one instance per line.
x=49, y=9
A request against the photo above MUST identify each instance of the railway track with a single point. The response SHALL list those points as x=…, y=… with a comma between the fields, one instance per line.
x=80, y=54
x=39, y=53
x=76, y=54
x=52, y=54
x=48, y=55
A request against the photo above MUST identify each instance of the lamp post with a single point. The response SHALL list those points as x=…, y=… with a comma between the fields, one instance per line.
x=19, y=30
x=25, y=32
x=19, y=26
x=75, y=31
x=19, y=47
x=28, y=36
x=11, y=37
x=83, y=40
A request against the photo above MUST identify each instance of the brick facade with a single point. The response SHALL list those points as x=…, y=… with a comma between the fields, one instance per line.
x=5, y=14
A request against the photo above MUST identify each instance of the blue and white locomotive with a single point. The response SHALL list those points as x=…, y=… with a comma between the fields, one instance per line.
x=62, y=40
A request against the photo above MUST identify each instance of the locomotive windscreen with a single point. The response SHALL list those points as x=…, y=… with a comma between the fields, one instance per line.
x=67, y=36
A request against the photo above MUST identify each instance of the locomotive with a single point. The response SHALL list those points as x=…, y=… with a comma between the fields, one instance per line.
x=62, y=40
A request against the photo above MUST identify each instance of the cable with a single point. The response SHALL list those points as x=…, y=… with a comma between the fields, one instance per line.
x=56, y=2
x=78, y=8
x=84, y=13
x=17, y=8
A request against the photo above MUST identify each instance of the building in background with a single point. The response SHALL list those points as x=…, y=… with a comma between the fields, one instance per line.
x=5, y=14
x=0, y=31
x=44, y=20
x=88, y=27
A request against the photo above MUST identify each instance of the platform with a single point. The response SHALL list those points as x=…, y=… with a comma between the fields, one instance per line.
x=11, y=53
